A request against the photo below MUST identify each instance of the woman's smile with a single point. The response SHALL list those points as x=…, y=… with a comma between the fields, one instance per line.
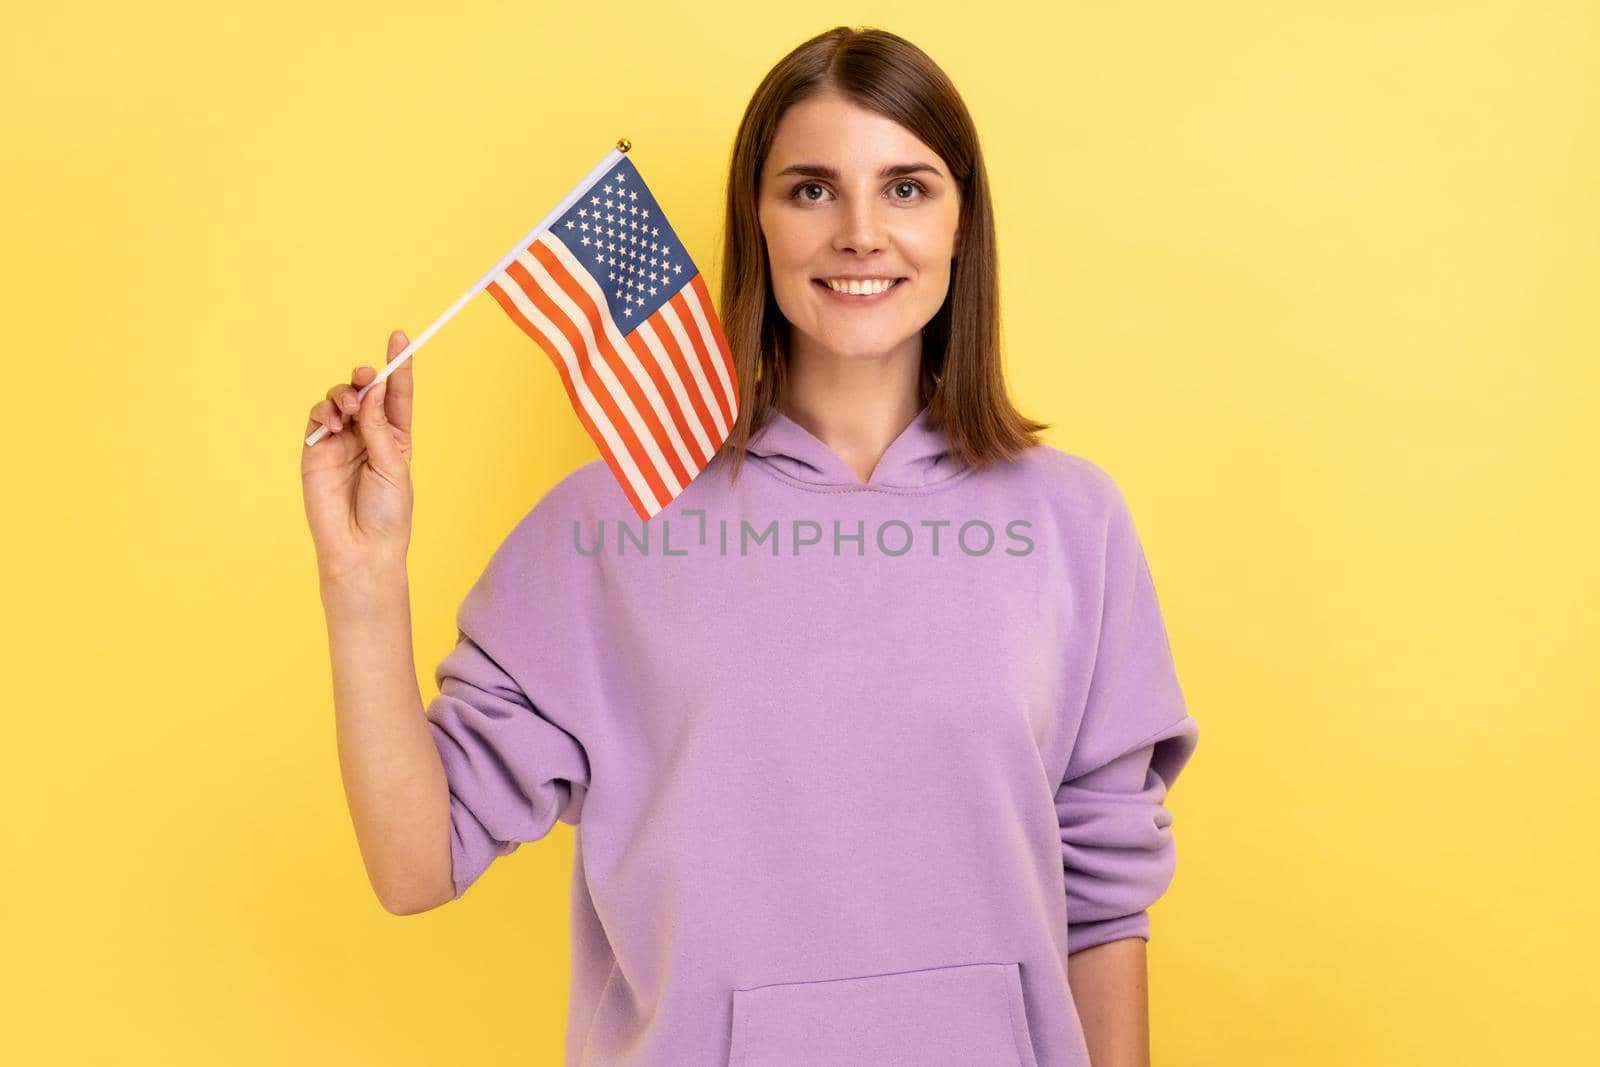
x=867, y=292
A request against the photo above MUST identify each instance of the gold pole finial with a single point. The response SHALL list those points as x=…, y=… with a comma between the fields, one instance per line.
x=623, y=144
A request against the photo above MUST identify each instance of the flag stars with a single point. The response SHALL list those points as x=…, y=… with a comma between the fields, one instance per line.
x=629, y=254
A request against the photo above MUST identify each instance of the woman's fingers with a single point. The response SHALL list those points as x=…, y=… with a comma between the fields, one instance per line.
x=317, y=419
x=332, y=412
x=343, y=401
x=343, y=398
x=398, y=386
x=323, y=413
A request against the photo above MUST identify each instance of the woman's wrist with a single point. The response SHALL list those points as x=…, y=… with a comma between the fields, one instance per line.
x=366, y=587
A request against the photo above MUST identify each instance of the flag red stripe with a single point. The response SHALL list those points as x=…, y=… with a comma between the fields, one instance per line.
x=552, y=352
x=648, y=359
x=712, y=320
x=681, y=304
x=579, y=296
x=675, y=353
x=602, y=394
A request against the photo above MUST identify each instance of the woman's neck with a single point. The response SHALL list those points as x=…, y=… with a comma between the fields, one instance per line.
x=857, y=407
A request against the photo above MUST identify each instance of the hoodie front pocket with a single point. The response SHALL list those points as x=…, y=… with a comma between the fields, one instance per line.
x=971, y=1015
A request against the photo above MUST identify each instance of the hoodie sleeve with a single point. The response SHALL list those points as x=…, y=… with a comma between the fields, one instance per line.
x=514, y=765
x=1133, y=739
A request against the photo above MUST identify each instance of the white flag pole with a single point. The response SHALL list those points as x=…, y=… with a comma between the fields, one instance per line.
x=493, y=272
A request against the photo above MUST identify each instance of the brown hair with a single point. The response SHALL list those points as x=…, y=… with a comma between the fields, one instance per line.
x=961, y=381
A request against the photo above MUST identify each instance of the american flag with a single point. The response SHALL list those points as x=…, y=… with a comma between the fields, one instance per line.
x=610, y=294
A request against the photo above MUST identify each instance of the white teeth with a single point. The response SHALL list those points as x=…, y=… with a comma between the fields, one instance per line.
x=860, y=288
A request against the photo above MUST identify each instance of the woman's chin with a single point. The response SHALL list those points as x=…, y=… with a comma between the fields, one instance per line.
x=864, y=344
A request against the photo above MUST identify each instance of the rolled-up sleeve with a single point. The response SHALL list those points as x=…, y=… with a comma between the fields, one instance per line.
x=512, y=772
x=511, y=695
x=1134, y=738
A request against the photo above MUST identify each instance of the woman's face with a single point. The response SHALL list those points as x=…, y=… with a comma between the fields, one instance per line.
x=846, y=192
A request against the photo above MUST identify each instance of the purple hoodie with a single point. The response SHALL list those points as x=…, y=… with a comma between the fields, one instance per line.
x=853, y=766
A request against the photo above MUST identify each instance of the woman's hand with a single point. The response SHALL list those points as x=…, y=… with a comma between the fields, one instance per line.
x=357, y=479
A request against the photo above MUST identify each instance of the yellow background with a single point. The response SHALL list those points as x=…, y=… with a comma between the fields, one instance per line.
x=1316, y=286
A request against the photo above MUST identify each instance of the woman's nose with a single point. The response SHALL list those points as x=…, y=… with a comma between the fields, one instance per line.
x=860, y=231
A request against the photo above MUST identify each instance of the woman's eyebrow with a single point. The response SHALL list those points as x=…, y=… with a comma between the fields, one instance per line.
x=893, y=170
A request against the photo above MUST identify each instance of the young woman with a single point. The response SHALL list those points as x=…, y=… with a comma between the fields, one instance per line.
x=867, y=736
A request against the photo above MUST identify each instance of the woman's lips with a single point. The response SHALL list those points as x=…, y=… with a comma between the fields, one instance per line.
x=850, y=298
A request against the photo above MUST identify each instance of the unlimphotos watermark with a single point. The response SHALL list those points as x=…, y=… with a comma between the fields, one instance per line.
x=795, y=537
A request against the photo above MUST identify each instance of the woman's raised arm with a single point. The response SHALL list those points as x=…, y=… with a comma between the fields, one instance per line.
x=358, y=499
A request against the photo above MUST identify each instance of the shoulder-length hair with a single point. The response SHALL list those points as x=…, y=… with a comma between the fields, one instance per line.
x=961, y=381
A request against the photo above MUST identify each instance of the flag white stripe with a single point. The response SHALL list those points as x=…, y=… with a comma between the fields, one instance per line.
x=674, y=321
x=630, y=358
x=597, y=414
x=652, y=340
x=701, y=312
x=619, y=396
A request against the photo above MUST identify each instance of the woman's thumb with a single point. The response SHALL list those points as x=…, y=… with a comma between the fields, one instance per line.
x=382, y=450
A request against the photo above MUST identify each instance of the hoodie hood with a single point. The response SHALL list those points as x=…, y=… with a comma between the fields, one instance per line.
x=918, y=458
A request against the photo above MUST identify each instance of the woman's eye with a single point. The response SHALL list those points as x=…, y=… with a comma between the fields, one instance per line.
x=799, y=191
